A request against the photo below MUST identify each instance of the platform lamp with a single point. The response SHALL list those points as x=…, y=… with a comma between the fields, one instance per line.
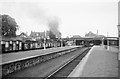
x=44, y=40
x=107, y=42
x=103, y=42
x=61, y=41
x=119, y=36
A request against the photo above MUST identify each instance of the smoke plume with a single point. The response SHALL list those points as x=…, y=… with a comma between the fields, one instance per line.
x=36, y=14
x=53, y=25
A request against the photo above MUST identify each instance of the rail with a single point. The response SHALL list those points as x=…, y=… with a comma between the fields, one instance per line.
x=72, y=59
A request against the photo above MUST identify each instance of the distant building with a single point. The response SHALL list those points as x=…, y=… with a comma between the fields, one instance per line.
x=42, y=35
x=24, y=36
x=92, y=35
x=39, y=35
x=76, y=36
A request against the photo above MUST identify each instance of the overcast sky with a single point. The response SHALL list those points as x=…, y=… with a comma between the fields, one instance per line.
x=75, y=17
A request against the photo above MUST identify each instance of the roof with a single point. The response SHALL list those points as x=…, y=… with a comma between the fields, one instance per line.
x=12, y=38
x=76, y=36
x=38, y=34
x=90, y=34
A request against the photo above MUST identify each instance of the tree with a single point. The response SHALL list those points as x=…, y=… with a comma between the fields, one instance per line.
x=9, y=26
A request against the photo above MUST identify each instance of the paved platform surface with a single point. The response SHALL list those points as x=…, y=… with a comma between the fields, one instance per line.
x=99, y=62
x=6, y=58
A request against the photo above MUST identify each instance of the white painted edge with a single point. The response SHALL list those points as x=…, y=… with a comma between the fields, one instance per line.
x=77, y=72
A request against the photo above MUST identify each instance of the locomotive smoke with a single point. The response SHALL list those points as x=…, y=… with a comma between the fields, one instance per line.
x=53, y=25
x=40, y=16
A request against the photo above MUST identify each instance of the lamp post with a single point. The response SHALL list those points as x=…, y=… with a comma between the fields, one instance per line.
x=103, y=42
x=44, y=40
x=107, y=42
x=61, y=41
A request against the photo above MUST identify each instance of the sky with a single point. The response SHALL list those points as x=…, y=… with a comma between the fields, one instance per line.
x=75, y=17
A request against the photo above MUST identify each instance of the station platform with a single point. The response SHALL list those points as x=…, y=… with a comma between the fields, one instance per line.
x=99, y=62
x=12, y=57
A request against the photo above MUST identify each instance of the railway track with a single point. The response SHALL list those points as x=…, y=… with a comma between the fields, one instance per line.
x=17, y=62
x=68, y=67
x=52, y=67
